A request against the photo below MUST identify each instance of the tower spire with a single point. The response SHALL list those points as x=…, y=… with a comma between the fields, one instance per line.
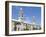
x=21, y=13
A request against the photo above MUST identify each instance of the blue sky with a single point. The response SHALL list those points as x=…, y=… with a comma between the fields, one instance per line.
x=28, y=13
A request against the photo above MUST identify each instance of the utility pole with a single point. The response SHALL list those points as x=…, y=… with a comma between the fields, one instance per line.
x=33, y=22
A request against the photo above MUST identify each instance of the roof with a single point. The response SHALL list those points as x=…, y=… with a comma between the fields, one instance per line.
x=20, y=21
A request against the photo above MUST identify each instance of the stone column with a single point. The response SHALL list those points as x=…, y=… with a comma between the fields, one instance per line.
x=17, y=27
x=31, y=27
x=12, y=26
